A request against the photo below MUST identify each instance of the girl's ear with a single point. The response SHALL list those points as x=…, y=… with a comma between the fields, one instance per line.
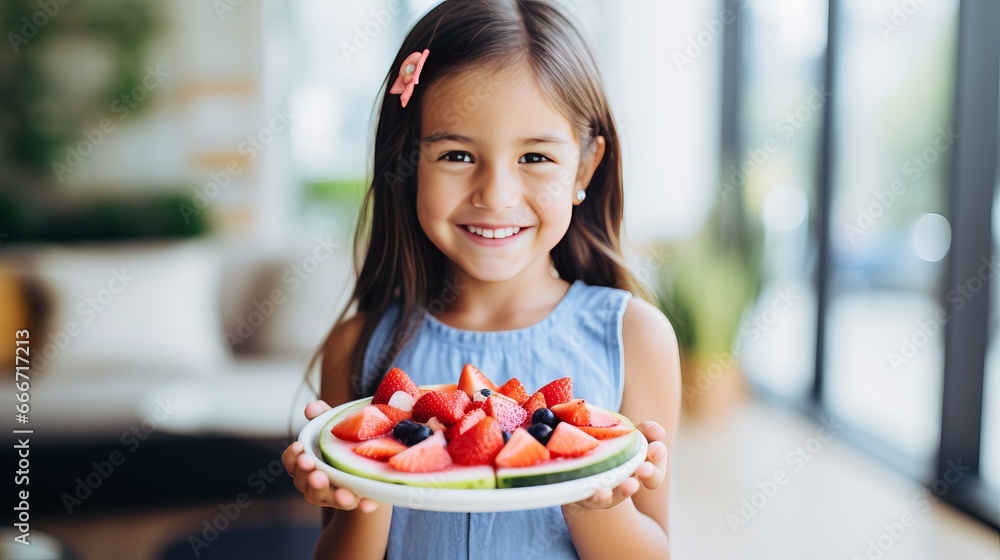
x=588, y=165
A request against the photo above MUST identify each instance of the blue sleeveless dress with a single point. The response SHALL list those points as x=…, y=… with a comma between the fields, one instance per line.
x=582, y=338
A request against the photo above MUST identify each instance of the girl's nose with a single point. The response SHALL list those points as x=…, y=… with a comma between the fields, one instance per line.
x=497, y=189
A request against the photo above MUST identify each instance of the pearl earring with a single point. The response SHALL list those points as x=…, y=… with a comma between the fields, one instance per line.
x=581, y=195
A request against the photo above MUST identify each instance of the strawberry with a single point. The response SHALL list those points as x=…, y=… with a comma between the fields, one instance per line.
x=522, y=450
x=558, y=391
x=575, y=412
x=448, y=407
x=607, y=433
x=535, y=402
x=479, y=445
x=380, y=449
x=515, y=390
x=429, y=455
x=470, y=419
x=505, y=410
x=435, y=425
x=395, y=380
x=569, y=441
x=474, y=405
x=472, y=381
x=600, y=418
x=393, y=413
x=367, y=423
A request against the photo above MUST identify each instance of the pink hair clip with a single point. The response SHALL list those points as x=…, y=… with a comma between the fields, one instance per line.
x=409, y=76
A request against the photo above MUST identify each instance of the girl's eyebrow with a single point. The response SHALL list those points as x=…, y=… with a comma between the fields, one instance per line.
x=447, y=136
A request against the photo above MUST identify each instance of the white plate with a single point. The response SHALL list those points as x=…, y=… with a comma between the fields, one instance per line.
x=456, y=500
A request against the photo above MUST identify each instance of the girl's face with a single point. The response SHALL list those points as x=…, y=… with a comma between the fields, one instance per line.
x=498, y=173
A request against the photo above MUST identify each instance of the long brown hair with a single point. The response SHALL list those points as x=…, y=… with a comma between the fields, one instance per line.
x=395, y=258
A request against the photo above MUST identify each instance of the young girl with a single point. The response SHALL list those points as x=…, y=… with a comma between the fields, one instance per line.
x=495, y=211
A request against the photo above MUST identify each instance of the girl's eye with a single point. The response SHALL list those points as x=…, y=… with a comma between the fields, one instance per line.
x=533, y=158
x=457, y=157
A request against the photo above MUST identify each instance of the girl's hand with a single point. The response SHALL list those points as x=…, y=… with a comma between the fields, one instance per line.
x=314, y=484
x=649, y=474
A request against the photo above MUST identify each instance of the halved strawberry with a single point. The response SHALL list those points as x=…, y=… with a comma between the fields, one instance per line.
x=570, y=441
x=535, y=402
x=600, y=418
x=479, y=445
x=367, y=423
x=441, y=388
x=515, y=390
x=393, y=413
x=429, y=455
x=395, y=380
x=575, y=412
x=474, y=405
x=558, y=391
x=448, y=407
x=472, y=381
x=522, y=450
x=435, y=425
x=380, y=449
x=470, y=419
x=607, y=433
x=505, y=410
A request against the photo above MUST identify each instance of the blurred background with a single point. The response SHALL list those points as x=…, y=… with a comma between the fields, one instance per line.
x=811, y=189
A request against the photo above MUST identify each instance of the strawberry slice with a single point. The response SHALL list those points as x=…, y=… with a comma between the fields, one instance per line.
x=448, y=407
x=442, y=388
x=535, y=402
x=472, y=381
x=575, y=412
x=479, y=445
x=380, y=449
x=393, y=413
x=429, y=455
x=395, y=380
x=570, y=441
x=367, y=423
x=600, y=418
x=607, y=433
x=558, y=391
x=522, y=450
x=474, y=405
x=470, y=419
x=515, y=390
x=505, y=410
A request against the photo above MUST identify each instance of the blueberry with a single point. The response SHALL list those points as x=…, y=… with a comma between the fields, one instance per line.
x=541, y=432
x=419, y=434
x=506, y=436
x=544, y=416
x=485, y=392
x=403, y=430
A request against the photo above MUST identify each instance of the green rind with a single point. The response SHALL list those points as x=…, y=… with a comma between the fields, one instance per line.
x=549, y=473
x=332, y=448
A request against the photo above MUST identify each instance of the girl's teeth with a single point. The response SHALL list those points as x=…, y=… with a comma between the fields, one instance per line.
x=498, y=233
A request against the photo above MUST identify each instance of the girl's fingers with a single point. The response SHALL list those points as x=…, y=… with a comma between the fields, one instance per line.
x=652, y=431
x=656, y=453
x=367, y=505
x=316, y=408
x=345, y=499
x=289, y=457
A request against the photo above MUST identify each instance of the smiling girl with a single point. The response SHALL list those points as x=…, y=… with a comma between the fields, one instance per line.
x=494, y=217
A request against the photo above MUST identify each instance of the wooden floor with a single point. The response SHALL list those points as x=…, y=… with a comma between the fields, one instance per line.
x=838, y=504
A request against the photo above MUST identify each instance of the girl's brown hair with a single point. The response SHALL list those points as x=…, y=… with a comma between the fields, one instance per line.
x=397, y=260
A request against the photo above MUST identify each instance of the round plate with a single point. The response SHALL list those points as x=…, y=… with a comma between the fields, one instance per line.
x=465, y=500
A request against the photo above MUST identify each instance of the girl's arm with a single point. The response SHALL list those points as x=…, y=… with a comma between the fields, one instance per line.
x=631, y=522
x=351, y=534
